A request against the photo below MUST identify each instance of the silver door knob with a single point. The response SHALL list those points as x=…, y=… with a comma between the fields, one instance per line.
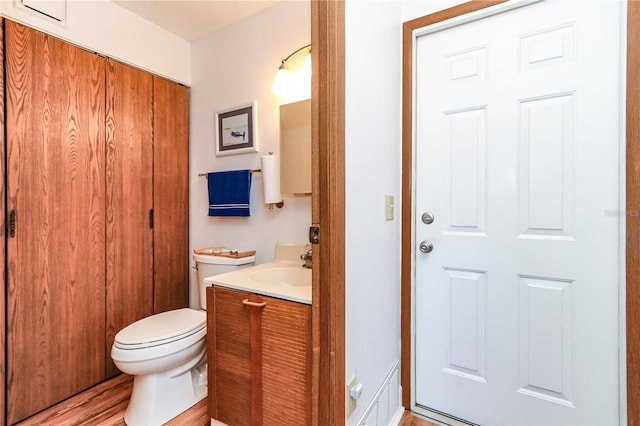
x=426, y=246
x=427, y=218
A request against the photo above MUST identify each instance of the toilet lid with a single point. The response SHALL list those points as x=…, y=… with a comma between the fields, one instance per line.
x=161, y=328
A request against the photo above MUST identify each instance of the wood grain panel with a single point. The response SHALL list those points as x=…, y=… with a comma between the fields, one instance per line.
x=286, y=356
x=211, y=352
x=3, y=264
x=229, y=352
x=633, y=207
x=55, y=184
x=327, y=211
x=170, y=195
x=129, y=199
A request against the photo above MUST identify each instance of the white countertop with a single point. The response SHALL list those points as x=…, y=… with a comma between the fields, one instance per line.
x=241, y=280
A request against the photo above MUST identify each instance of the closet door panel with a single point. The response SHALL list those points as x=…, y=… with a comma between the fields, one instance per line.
x=170, y=195
x=55, y=185
x=129, y=199
x=3, y=284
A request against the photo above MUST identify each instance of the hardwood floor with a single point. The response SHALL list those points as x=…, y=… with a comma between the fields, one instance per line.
x=410, y=420
x=105, y=404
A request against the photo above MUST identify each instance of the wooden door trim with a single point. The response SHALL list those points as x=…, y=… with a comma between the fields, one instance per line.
x=327, y=212
x=632, y=197
x=3, y=254
x=633, y=220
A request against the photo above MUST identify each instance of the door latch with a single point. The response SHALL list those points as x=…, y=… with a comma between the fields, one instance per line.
x=314, y=234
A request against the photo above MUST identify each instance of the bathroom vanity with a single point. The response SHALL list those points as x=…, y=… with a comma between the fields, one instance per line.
x=259, y=358
x=259, y=342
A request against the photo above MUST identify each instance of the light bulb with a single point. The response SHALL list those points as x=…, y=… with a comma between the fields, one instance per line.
x=282, y=81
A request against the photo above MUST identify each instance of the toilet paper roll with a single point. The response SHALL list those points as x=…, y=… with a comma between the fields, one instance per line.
x=271, y=178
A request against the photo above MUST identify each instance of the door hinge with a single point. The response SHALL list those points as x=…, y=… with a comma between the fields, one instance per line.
x=12, y=223
x=151, y=218
x=314, y=234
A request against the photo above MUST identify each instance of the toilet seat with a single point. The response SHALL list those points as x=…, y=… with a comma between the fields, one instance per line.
x=161, y=329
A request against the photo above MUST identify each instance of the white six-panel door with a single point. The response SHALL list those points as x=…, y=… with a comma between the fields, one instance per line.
x=517, y=128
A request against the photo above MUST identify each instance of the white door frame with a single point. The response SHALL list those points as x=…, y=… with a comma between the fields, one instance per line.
x=501, y=7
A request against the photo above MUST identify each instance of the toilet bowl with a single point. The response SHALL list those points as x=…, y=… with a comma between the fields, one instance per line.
x=161, y=351
x=166, y=354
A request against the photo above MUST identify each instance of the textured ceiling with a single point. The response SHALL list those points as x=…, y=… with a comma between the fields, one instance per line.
x=193, y=19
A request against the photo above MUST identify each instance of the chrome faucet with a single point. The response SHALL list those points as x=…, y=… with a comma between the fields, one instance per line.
x=307, y=257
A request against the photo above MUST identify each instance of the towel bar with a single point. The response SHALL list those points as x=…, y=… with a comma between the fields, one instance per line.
x=206, y=174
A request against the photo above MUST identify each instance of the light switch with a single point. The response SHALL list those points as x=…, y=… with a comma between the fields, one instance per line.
x=388, y=207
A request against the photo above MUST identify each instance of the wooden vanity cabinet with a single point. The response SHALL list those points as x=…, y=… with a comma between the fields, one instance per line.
x=259, y=359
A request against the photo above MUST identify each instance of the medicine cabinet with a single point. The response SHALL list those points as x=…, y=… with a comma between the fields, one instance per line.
x=295, y=148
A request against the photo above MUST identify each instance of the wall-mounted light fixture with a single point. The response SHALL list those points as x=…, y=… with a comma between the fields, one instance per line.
x=294, y=82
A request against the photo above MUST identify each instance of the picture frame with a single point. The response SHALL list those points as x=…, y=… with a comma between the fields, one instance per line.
x=236, y=129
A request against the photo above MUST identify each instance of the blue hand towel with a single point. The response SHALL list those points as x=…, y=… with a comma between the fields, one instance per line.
x=229, y=193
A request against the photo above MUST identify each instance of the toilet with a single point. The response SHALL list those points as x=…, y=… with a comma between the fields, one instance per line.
x=166, y=353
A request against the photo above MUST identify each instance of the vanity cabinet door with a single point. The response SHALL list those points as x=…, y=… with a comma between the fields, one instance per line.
x=286, y=361
x=229, y=356
x=259, y=358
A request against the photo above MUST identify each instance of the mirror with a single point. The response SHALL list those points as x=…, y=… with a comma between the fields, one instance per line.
x=295, y=148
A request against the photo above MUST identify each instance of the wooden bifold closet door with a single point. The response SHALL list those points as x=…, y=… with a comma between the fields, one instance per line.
x=97, y=182
x=170, y=195
x=129, y=199
x=56, y=193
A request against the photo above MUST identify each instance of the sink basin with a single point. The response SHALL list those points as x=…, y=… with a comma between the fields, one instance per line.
x=289, y=276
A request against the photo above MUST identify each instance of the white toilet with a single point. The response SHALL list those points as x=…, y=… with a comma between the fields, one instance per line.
x=166, y=353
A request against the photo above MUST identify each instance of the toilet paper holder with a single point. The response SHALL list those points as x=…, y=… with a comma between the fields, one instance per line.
x=271, y=180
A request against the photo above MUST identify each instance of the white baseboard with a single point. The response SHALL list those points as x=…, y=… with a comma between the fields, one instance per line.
x=395, y=421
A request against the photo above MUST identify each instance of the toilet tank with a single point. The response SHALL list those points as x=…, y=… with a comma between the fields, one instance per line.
x=208, y=265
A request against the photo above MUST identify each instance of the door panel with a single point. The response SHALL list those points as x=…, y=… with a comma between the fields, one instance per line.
x=286, y=328
x=517, y=150
x=129, y=191
x=55, y=184
x=170, y=195
x=3, y=258
x=229, y=356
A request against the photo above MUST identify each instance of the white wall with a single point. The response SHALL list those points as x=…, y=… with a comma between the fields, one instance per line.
x=106, y=28
x=373, y=168
x=233, y=66
x=412, y=9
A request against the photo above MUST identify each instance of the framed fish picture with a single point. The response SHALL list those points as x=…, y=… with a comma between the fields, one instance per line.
x=235, y=130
